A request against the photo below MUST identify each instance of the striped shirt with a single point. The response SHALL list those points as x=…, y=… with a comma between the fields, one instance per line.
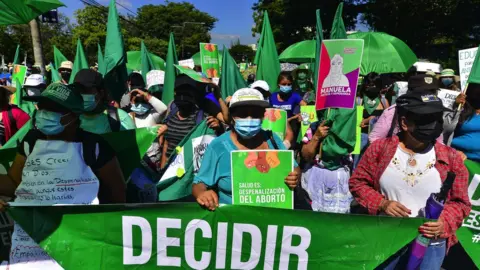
x=177, y=130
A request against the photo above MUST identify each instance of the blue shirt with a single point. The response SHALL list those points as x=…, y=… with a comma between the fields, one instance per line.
x=467, y=138
x=215, y=170
x=287, y=105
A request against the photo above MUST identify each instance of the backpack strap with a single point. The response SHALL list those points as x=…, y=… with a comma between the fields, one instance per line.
x=200, y=117
x=172, y=110
x=11, y=119
x=272, y=140
x=113, y=118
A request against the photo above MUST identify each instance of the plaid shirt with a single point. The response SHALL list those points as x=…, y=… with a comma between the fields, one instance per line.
x=365, y=182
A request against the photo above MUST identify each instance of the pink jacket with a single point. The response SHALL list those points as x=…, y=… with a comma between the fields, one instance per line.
x=20, y=119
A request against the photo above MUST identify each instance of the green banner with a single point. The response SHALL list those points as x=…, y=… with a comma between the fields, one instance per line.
x=309, y=115
x=276, y=121
x=469, y=233
x=172, y=236
x=20, y=74
x=258, y=178
x=209, y=60
x=358, y=140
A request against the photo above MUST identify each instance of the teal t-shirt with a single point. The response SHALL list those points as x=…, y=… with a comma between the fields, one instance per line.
x=99, y=123
x=215, y=170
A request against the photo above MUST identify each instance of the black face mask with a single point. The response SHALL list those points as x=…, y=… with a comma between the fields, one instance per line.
x=185, y=107
x=66, y=76
x=372, y=92
x=428, y=133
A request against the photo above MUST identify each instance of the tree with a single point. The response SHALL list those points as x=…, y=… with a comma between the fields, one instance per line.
x=293, y=22
x=241, y=53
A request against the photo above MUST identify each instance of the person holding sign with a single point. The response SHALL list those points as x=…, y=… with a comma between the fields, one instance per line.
x=396, y=176
x=59, y=163
x=212, y=185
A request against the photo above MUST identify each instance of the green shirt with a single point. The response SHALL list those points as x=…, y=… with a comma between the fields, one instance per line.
x=99, y=123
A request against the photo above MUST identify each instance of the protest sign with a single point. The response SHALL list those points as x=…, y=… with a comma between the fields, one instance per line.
x=465, y=62
x=338, y=73
x=209, y=60
x=232, y=237
x=469, y=233
x=155, y=77
x=20, y=74
x=193, y=74
x=258, y=178
x=358, y=138
x=243, y=67
x=309, y=115
x=6, y=229
x=276, y=121
x=187, y=63
x=448, y=97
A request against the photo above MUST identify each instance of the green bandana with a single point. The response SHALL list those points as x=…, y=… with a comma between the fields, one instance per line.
x=370, y=105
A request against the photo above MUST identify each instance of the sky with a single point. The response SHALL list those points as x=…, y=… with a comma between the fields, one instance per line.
x=234, y=16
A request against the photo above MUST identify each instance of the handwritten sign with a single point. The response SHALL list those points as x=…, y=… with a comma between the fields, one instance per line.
x=448, y=97
x=465, y=62
x=155, y=77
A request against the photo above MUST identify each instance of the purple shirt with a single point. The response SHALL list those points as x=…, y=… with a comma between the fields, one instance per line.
x=287, y=105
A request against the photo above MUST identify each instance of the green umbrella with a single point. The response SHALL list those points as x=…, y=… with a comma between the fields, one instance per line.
x=23, y=11
x=300, y=52
x=134, y=61
x=197, y=61
x=383, y=53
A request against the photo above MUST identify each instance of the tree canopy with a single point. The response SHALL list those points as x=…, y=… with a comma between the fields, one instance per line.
x=241, y=53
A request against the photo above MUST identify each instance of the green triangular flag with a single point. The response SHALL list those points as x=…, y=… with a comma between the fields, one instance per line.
x=16, y=60
x=18, y=137
x=338, y=27
x=177, y=180
x=115, y=69
x=318, y=38
x=268, y=65
x=170, y=72
x=58, y=57
x=100, y=60
x=147, y=63
x=231, y=79
x=474, y=76
x=55, y=75
x=26, y=106
x=80, y=61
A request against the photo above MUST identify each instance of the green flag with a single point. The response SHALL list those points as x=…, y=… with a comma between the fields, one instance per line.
x=16, y=60
x=184, y=236
x=183, y=164
x=318, y=38
x=115, y=59
x=268, y=65
x=147, y=63
x=170, y=72
x=231, y=78
x=469, y=233
x=474, y=76
x=18, y=137
x=80, y=61
x=338, y=27
x=55, y=75
x=58, y=57
x=26, y=106
x=100, y=60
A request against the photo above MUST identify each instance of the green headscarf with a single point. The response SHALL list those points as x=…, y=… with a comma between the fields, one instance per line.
x=369, y=104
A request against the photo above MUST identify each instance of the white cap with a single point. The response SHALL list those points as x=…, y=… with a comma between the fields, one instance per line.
x=34, y=80
x=66, y=65
x=155, y=77
x=260, y=84
x=248, y=97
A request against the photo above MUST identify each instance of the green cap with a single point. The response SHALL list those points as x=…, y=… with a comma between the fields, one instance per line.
x=64, y=95
x=447, y=73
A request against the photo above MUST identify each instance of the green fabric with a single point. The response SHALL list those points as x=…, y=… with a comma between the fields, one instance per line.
x=170, y=72
x=338, y=27
x=474, y=76
x=370, y=105
x=134, y=61
x=231, y=79
x=100, y=124
x=64, y=95
x=18, y=137
x=16, y=60
x=95, y=237
x=447, y=73
x=300, y=52
x=268, y=66
x=115, y=70
x=27, y=107
x=383, y=53
x=318, y=39
x=80, y=61
x=58, y=57
x=100, y=59
x=23, y=11
x=147, y=62
x=55, y=75
x=192, y=74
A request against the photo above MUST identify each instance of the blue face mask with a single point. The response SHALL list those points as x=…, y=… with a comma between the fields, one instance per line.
x=49, y=122
x=285, y=88
x=447, y=81
x=140, y=108
x=248, y=128
x=89, y=102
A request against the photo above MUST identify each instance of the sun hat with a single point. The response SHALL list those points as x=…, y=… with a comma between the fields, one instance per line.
x=66, y=65
x=447, y=73
x=34, y=80
x=260, y=84
x=248, y=97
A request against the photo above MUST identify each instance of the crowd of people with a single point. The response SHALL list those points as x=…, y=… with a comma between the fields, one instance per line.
x=409, y=143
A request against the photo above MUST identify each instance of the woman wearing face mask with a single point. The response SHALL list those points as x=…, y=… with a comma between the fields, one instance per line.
x=397, y=175
x=303, y=84
x=146, y=110
x=59, y=163
x=247, y=109
x=447, y=78
x=286, y=99
x=467, y=135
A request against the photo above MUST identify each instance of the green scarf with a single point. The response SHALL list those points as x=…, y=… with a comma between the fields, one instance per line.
x=369, y=104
